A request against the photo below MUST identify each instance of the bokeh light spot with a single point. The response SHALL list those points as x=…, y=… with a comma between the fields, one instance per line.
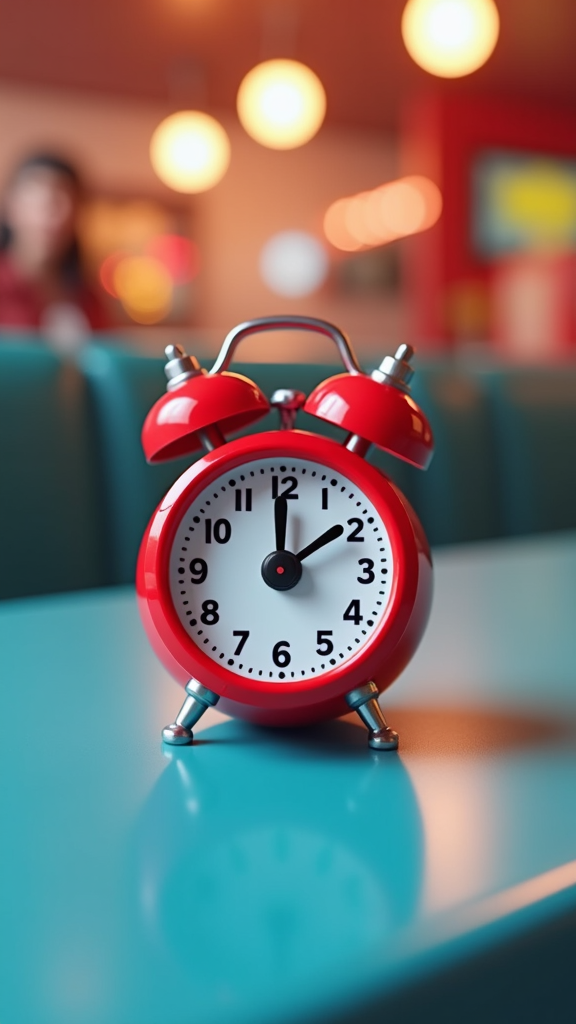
x=190, y=151
x=179, y=255
x=450, y=38
x=108, y=269
x=281, y=103
x=144, y=288
x=293, y=264
x=336, y=230
x=394, y=210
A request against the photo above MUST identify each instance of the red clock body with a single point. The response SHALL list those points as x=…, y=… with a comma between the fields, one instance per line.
x=219, y=596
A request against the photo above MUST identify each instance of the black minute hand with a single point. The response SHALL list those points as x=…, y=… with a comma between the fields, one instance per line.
x=280, y=517
x=325, y=538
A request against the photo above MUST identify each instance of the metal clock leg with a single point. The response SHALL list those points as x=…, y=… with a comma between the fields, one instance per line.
x=364, y=700
x=199, y=699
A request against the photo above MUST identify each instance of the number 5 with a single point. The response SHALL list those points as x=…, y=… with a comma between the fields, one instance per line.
x=322, y=638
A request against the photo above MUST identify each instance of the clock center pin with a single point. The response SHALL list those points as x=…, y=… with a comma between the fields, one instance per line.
x=281, y=570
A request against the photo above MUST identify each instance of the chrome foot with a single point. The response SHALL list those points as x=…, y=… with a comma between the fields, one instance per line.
x=177, y=735
x=383, y=739
x=199, y=699
x=364, y=700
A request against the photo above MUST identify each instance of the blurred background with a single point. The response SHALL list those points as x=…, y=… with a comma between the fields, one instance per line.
x=476, y=250
x=170, y=168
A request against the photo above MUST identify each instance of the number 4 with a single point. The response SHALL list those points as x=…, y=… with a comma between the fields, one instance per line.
x=352, y=613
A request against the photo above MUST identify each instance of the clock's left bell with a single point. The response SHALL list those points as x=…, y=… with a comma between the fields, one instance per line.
x=198, y=409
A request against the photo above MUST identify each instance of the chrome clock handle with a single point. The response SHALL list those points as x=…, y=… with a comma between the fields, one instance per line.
x=286, y=323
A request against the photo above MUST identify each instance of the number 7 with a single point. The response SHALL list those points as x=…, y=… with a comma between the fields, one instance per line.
x=244, y=633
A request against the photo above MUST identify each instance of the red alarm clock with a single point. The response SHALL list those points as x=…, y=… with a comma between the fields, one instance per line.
x=282, y=574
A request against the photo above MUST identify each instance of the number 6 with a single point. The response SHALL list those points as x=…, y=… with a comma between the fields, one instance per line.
x=281, y=657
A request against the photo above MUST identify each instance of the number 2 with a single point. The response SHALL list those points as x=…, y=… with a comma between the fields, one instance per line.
x=358, y=527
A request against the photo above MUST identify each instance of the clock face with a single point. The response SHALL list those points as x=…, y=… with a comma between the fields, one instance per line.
x=281, y=570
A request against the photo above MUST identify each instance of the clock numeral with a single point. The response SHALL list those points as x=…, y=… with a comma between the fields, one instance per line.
x=222, y=531
x=247, y=500
x=243, y=634
x=368, y=575
x=352, y=613
x=209, y=613
x=281, y=657
x=358, y=527
x=322, y=639
x=290, y=482
x=198, y=570
x=324, y=498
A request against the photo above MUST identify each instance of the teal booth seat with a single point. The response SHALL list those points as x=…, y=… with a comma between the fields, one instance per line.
x=50, y=516
x=534, y=415
x=122, y=387
x=457, y=497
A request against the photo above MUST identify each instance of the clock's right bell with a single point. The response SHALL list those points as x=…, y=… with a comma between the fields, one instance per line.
x=378, y=408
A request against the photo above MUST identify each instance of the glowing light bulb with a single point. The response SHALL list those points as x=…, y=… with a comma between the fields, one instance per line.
x=450, y=38
x=190, y=151
x=281, y=103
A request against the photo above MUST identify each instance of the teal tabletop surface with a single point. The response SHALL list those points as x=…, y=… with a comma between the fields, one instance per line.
x=295, y=875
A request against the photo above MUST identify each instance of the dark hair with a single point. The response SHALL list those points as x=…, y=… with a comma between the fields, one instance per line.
x=70, y=263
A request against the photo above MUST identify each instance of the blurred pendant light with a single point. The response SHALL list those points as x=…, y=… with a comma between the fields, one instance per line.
x=190, y=151
x=281, y=103
x=450, y=38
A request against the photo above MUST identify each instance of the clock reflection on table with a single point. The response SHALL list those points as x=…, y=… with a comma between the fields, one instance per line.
x=302, y=884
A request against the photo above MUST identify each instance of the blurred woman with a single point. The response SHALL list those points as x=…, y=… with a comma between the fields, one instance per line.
x=41, y=281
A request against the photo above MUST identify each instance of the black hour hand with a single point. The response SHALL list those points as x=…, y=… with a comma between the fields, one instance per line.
x=325, y=538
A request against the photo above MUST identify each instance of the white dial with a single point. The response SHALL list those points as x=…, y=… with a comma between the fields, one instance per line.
x=233, y=608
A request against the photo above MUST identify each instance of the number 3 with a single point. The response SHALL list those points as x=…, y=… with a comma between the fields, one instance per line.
x=367, y=572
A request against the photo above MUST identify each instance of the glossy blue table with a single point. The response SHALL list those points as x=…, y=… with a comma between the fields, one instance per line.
x=296, y=876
